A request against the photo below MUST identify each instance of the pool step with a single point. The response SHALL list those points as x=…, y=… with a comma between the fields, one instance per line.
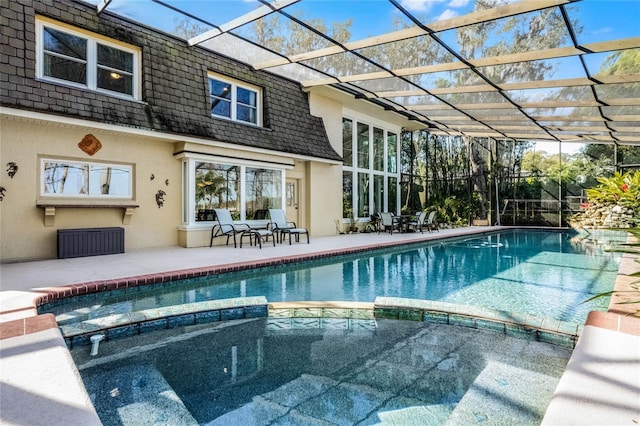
x=136, y=395
x=319, y=400
x=505, y=395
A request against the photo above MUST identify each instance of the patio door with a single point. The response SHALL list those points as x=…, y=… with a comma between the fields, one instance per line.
x=292, y=200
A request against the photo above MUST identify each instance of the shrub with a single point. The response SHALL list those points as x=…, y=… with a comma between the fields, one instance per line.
x=620, y=189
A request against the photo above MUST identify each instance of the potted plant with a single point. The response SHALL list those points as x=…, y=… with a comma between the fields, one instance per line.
x=353, y=223
x=372, y=225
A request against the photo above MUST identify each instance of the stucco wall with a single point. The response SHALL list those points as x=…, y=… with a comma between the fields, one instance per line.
x=325, y=180
x=24, y=234
x=324, y=200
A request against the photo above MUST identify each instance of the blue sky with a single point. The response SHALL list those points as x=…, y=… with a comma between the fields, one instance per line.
x=602, y=19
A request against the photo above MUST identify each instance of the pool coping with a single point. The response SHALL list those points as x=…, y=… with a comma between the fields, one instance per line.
x=601, y=383
x=524, y=326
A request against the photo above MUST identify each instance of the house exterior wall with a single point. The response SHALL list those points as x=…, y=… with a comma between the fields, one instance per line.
x=40, y=119
x=22, y=222
x=325, y=181
x=300, y=131
x=174, y=94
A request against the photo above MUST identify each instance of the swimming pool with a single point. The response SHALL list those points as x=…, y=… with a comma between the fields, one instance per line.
x=255, y=372
x=348, y=371
x=544, y=273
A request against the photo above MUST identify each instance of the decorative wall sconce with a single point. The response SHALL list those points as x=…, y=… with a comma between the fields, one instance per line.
x=2, y=190
x=152, y=177
x=12, y=169
x=160, y=198
x=166, y=182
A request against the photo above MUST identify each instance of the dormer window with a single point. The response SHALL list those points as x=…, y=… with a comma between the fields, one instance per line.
x=82, y=59
x=234, y=100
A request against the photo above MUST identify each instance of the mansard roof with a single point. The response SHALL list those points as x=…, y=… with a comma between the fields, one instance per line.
x=175, y=96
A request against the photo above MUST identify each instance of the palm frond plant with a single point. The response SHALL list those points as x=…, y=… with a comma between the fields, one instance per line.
x=210, y=187
x=632, y=248
x=622, y=189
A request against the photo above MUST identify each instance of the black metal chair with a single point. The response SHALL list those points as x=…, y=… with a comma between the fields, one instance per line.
x=225, y=226
x=388, y=222
x=280, y=226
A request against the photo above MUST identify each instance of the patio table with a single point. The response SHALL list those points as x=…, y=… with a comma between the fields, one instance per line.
x=404, y=221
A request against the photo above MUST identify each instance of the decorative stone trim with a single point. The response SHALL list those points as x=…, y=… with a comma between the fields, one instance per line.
x=524, y=326
x=134, y=323
x=601, y=215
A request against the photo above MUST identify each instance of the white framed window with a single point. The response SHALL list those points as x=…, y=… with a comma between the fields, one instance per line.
x=79, y=179
x=370, y=175
x=246, y=188
x=82, y=59
x=234, y=100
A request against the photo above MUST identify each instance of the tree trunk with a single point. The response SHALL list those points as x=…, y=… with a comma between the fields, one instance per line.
x=478, y=176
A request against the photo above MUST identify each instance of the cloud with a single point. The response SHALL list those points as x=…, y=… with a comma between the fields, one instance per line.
x=458, y=3
x=447, y=14
x=419, y=5
x=603, y=30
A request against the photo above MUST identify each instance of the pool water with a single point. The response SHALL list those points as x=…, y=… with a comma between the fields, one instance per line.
x=547, y=274
x=346, y=372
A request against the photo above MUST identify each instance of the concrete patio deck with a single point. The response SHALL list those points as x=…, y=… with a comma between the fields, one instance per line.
x=40, y=384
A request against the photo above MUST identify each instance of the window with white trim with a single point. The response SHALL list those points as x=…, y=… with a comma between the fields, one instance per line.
x=77, y=179
x=85, y=60
x=246, y=190
x=234, y=100
x=370, y=175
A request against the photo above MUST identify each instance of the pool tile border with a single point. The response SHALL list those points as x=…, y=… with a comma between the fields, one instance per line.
x=299, y=314
x=134, y=323
x=348, y=310
x=528, y=327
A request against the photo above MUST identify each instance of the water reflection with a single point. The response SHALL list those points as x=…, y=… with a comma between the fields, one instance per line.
x=254, y=372
x=543, y=273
